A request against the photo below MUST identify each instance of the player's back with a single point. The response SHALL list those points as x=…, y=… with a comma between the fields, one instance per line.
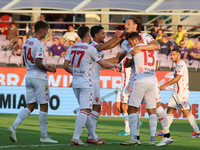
x=82, y=57
x=145, y=66
x=32, y=48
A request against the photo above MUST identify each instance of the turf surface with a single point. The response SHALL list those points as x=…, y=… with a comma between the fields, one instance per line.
x=61, y=128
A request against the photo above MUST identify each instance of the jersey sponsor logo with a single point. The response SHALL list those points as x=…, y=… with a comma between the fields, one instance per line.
x=41, y=49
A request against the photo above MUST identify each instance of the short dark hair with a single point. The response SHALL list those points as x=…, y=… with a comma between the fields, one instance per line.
x=134, y=35
x=40, y=25
x=180, y=26
x=176, y=50
x=160, y=30
x=95, y=29
x=82, y=31
x=43, y=15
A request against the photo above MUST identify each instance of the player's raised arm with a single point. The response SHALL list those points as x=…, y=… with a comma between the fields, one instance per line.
x=107, y=65
x=110, y=43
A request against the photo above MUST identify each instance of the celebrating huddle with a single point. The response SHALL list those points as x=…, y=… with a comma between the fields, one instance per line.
x=84, y=61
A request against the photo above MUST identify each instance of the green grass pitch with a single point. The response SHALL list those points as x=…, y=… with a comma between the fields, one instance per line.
x=61, y=128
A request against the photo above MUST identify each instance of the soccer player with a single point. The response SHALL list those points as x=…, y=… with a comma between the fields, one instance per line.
x=142, y=87
x=122, y=96
x=98, y=35
x=37, y=88
x=179, y=98
x=82, y=57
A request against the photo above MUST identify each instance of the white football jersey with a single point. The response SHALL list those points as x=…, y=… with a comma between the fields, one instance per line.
x=82, y=56
x=145, y=66
x=31, y=50
x=96, y=71
x=125, y=73
x=183, y=83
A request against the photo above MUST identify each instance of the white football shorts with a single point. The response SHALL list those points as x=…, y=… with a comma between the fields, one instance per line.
x=37, y=90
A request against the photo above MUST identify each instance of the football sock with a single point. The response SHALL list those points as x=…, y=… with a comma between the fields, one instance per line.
x=170, y=119
x=43, y=119
x=193, y=123
x=20, y=117
x=90, y=126
x=133, y=125
x=153, y=124
x=79, y=124
x=126, y=121
x=138, y=124
x=162, y=116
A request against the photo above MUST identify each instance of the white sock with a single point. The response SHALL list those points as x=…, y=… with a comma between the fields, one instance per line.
x=90, y=126
x=138, y=124
x=126, y=121
x=95, y=116
x=43, y=119
x=133, y=125
x=20, y=117
x=193, y=123
x=162, y=116
x=79, y=124
x=170, y=119
x=153, y=124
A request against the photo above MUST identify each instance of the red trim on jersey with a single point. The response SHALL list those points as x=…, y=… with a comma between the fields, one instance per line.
x=124, y=72
x=141, y=37
x=177, y=87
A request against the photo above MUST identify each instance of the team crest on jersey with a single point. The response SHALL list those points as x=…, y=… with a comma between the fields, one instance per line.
x=96, y=99
x=40, y=54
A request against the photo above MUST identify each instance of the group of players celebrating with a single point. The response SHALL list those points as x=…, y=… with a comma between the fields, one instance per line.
x=84, y=61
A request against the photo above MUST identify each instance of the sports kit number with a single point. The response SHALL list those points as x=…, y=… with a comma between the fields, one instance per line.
x=150, y=55
x=74, y=53
x=28, y=57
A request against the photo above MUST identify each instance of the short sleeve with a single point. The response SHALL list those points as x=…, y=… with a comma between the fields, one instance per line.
x=63, y=47
x=180, y=69
x=148, y=38
x=93, y=53
x=67, y=57
x=124, y=47
x=65, y=35
x=170, y=43
x=39, y=51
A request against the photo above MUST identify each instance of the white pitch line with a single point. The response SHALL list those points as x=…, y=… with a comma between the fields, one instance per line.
x=46, y=145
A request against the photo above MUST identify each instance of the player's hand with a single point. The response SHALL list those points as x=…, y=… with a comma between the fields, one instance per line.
x=117, y=34
x=117, y=106
x=117, y=66
x=162, y=87
x=116, y=69
x=51, y=69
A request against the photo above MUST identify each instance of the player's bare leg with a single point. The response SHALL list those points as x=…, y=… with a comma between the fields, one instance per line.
x=20, y=117
x=192, y=122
